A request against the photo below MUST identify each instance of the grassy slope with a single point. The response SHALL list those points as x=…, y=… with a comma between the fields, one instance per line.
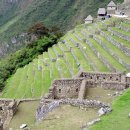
x=34, y=79
x=118, y=119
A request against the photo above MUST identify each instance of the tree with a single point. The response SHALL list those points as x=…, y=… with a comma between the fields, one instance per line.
x=39, y=29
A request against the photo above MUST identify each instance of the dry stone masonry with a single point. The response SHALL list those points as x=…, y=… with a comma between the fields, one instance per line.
x=7, y=110
x=72, y=91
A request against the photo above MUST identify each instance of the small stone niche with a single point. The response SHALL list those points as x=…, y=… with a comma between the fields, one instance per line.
x=53, y=60
x=97, y=32
x=90, y=36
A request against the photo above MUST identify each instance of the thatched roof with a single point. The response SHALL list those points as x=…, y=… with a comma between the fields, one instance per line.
x=102, y=11
x=89, y=18
x=111, y=4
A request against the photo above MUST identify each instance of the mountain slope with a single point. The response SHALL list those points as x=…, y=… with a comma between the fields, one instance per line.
x=94, y=52
x=63, y=13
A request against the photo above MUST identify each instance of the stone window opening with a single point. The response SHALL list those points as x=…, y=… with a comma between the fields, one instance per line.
x=77, y=90
x=110, y=78
x=59, y=90
x=1, y=109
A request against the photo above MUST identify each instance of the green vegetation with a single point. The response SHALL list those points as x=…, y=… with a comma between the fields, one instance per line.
x=17, y=17
x=118, y=119
x=25, y=114
x=65, y=117
x=63, y=60
x=23, y=57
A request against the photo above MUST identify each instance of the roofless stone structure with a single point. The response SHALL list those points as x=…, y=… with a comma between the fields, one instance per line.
x=73, y=91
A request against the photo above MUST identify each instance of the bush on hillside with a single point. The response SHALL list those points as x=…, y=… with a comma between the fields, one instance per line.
x=24, y=56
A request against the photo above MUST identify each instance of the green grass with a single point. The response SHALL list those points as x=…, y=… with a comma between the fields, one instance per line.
x=125, y=24
x=120, y=40
x=118, y=119
x=58, y=50
x=34, y=79
x=63, y=69
x=92, y=58
x=25, y=115
x=107, y=56
x=121, y=31
x=65, y=117
x=72, y=63
x=51, y=53
x=115, y=50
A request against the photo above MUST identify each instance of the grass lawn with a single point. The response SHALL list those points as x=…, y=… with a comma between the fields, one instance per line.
x=118, y=119
x=107, y=56
x=120, y=40
x=66, y=118
x=125, y=24
x=72, y=63
x=24, y=115
x=121, y=31
x=58, y=50
x=115, y=50
x=91, y=55
x=63, y=68
x=35, y=79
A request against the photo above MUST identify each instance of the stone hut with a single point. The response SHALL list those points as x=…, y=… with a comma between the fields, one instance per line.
x=89, y=19
x=111, y=8
x=102, y=13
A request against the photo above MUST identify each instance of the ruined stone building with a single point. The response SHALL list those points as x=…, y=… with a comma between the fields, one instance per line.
x=7, y=110
x=72, y=88
x=73, y=91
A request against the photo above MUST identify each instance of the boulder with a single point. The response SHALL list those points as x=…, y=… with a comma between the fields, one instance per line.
x=103, y=111
x=93, y=122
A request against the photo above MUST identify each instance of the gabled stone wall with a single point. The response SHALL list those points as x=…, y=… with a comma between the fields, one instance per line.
x=66, y=88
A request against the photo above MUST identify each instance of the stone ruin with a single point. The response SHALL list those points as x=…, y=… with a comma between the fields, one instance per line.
x=73, y=91
x=7, y=110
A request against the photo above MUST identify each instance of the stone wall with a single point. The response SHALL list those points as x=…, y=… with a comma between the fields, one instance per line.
x=103, y=77
x=128, y=80
x=72, y=91
x=106, y=63
x=47, y=107
x=66, y=88
x=121, y=35
x=76, y=87
x=120, y=45
x=113, y=85
x=7, y=110
x=112, y=53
